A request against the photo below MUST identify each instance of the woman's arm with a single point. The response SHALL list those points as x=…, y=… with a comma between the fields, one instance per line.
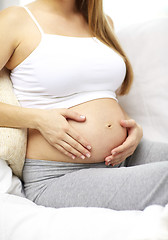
x=11, y=116
x=51, y=123
x=9, y=34
x=135, y=133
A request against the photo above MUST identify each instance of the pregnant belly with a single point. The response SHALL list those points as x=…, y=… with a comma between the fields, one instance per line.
x=101, y=129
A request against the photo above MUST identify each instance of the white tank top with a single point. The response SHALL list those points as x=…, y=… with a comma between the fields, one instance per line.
x=65, y=71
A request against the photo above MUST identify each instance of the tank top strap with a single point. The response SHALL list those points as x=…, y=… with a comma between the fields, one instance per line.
x=34, y=19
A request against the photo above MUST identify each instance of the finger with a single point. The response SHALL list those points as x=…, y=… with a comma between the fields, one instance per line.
x=76, y=148
x=119, y=157
x=107, y=163
x=74, y=115
x=73, y=134
x=71, y=150
x=113, y=157
x=108, y=158
x=64, y=151
x=115, y=163
x=123, y=147
x=128, y=123
x=118, y=162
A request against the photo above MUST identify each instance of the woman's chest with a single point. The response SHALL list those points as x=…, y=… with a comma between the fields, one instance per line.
x=64, y=66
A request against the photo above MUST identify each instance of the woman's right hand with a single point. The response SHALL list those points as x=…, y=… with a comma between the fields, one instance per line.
x=54, y=127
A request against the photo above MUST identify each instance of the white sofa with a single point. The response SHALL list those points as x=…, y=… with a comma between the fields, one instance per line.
x=146, y=46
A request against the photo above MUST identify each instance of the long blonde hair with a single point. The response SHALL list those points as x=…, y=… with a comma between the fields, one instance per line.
x=99, y=25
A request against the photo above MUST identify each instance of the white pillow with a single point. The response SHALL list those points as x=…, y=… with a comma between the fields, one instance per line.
x=12, y=140
x=22, y=219
x=146, y=45
x=9, y=183
x=5, y=177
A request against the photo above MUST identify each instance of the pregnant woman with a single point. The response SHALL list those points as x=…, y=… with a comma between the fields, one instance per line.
x=66, y=68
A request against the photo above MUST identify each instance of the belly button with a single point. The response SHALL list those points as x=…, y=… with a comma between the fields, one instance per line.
x=109, y=125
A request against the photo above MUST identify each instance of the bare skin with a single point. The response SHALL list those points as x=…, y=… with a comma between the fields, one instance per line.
x=23, y=39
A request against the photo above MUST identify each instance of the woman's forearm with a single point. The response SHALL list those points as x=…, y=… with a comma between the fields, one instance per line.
x=18, y=117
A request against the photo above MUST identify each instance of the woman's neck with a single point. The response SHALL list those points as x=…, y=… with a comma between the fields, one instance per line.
x=63, y=7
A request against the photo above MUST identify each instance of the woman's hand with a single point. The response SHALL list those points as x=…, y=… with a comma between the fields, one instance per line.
x=55, y=128
x=120, y=153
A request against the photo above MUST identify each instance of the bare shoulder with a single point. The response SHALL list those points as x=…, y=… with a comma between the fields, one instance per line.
x=10, y=14
x=10, y=29
x=11, y=19
x=110, y=21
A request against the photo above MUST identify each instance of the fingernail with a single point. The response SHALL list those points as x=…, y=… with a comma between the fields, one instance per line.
x=109, y=163
x=113, y=153
x=73, y=157
x=88, y=155
x=82, y=116
x=83, y=157
x=89, y=147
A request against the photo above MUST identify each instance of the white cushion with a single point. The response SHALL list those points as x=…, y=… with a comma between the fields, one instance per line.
x=146, y=46
x=22, y=219
x=12, y=140
x=9, y=183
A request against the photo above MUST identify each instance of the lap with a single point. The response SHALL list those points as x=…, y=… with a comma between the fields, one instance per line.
x=115, y=188
x=148, y=152
x=124, y=188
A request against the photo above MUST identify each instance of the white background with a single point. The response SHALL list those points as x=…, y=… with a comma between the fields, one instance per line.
x=126, y=12
x=123, y=12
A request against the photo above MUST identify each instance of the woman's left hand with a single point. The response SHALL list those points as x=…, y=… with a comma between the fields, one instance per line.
x=120, y=153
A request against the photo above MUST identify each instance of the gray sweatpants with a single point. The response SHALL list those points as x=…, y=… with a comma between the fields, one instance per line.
x=141, y=180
